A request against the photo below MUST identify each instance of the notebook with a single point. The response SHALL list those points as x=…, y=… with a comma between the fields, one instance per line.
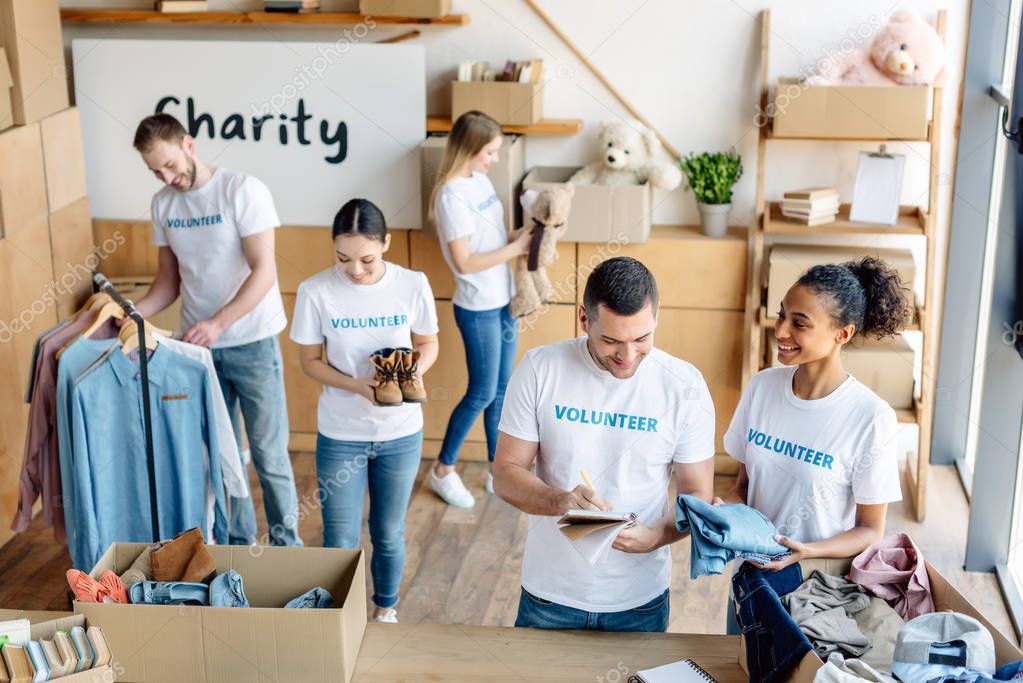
x=592, y=532
x=686, y=671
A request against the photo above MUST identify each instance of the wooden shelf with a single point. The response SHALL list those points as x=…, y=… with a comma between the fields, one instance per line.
x=771, y=136
x=152, y=17
x=914, y=326
x=442, y=124
x=912, y=221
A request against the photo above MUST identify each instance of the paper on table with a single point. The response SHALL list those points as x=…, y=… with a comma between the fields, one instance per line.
x=878, y=188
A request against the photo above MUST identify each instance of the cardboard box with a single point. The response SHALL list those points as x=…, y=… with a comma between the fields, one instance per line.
x=850, y=111
x=885, y=366
x=71, y=247
x=44, y=626
x=171, y=644
x=22, y=179
x=946, y=599
x=30, y=32
x=788, y=262
x=515, y=104
x=6, y=83
x=618, y=214
x=429, y=9
x=506, y=175
x=63, y=158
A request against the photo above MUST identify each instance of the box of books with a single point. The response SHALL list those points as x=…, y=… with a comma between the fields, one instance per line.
x=513, y=95
x=426, y=9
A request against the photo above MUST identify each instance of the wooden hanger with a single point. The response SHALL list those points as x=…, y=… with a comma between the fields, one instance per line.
x=109, y=310
x=96, y=298
x=129, y=336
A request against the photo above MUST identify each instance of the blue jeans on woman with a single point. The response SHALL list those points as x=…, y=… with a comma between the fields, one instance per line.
x=536, y=612
x=490, y=338
x=343, y=470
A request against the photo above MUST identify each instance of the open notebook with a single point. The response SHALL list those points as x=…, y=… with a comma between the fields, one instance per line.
x=686, y=671
x=593, y=532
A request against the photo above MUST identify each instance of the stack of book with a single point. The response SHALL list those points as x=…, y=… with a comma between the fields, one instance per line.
x=296, y=6
x=180, y=6
x=811, y=206
x=529, y=71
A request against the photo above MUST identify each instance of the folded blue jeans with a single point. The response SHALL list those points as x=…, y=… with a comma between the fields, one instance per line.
x=536, y=612
x=316, y=598
x=226, y=590
x=169, y=593
x=344, y=469
x=774, y=644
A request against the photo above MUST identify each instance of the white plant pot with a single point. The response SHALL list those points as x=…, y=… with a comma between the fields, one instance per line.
x=714, y=218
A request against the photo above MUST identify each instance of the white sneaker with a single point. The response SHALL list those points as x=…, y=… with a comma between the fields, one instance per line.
x=451, y=489
x=389, y=616
x=490, y=483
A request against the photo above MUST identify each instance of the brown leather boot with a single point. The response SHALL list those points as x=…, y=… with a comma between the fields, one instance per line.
x=412, y=389
x=183, y=558
x=387, y=362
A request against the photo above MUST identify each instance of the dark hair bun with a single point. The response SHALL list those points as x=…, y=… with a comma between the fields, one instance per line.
x=888, y=306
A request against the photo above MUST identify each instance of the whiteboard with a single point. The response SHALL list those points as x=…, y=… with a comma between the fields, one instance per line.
x=338, y=121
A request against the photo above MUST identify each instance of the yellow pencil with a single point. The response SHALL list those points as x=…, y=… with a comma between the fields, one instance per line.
x=586, y=478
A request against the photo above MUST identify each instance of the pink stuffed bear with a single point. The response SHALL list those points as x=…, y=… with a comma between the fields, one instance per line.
x=907, y=51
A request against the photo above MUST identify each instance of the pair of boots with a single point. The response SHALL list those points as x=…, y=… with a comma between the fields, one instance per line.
x=396, y=373
x=182, y=558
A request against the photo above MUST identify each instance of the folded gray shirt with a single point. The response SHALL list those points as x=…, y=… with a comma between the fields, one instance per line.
x=822, y=607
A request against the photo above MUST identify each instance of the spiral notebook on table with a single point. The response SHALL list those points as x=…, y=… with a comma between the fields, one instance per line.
x=686, y=671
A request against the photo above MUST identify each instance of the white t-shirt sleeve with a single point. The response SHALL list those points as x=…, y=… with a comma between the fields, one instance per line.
x=518, y=416
x=254, y=208
x=159, y=234
x=696, y=438
x=735, y=437
x=875, y=477
x=424, y=317
x=455, y=217
x=306, y=326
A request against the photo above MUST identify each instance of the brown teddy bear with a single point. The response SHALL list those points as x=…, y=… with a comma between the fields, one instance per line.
x=546, y=215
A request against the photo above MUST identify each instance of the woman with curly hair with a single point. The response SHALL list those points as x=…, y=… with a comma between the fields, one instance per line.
x=816, y=448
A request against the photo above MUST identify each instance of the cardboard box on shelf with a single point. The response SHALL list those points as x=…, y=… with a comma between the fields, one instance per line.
x=600, y=213
x=6, y=83
x=885, y=366
x=506, y=175
x=22, y=179
x=946, y=598
x=64, y=158
x=428, y=9
x=44, y=626
x=850, y=111
x=170, y=644
x=510, y=103
x=30, y=32
x=788, y=262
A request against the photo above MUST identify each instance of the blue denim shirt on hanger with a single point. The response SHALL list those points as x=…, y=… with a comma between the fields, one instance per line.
x=111, y=478
x=774, y=644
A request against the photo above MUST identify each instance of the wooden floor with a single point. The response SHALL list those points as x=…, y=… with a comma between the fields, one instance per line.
x=463, y=565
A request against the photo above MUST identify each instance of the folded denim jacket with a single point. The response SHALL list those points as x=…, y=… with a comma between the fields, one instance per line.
x=774, y=644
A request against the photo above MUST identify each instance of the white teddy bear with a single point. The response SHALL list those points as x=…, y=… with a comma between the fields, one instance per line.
x=628, y=151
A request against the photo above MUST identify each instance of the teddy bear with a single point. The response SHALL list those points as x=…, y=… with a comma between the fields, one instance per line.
x=906, y=51
x=628, y=158
x=546, y=215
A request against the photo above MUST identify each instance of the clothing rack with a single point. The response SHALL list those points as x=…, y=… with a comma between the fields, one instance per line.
x=102, y=284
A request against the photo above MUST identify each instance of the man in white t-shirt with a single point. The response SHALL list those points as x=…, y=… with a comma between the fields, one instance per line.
x=628, y=414
x=215, y=233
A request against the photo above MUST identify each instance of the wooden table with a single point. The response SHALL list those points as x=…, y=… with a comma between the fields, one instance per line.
x=452, y=653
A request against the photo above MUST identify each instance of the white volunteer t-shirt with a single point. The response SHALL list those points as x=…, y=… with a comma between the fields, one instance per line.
x=204, y=228
x=811, y=462
x=355, y=321
x=625, y=434
x=470, y=207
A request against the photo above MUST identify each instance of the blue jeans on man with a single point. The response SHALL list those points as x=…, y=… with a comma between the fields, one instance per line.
x=252, y=379
x=536, y=612
x=344, y=470
x=490, y=339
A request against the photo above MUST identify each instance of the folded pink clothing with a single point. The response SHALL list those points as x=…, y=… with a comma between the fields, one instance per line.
x=895, y=571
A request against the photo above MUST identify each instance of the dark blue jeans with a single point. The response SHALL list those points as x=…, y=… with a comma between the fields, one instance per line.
x=490, y=338
x=535, y=612
x=774, y=644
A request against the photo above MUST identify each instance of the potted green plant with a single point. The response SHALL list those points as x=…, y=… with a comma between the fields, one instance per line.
x=711, y=177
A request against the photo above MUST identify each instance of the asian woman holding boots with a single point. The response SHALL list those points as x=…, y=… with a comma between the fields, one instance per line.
x=816, y=448
x=367, y=331
x=476, y=246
